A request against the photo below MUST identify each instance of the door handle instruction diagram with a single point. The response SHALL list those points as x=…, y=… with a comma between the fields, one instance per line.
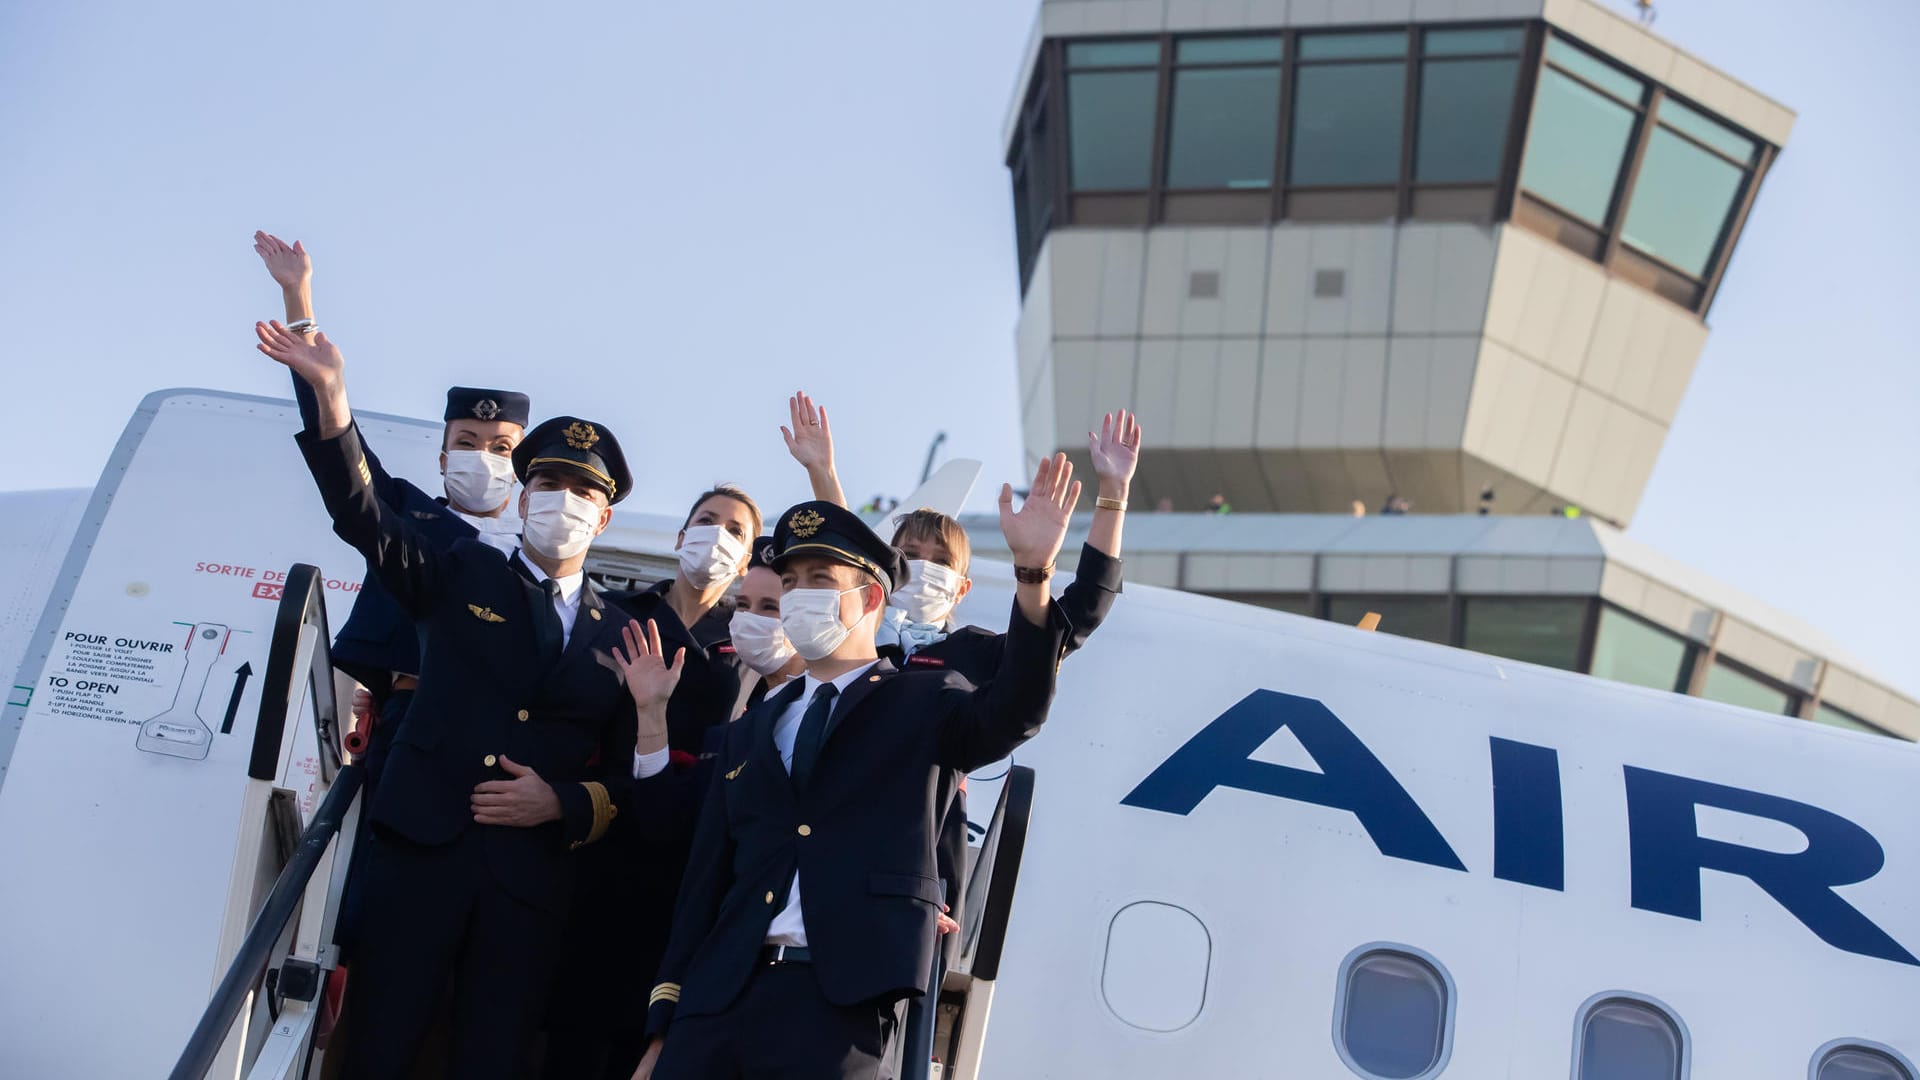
x=181, y=731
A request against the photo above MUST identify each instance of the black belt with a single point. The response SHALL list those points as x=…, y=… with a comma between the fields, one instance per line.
x=785, y=954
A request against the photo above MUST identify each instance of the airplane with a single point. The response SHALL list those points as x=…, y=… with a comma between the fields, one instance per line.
x=1246, y=843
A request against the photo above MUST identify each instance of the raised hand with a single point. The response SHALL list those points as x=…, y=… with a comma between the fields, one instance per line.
x=1115, y=450
x=291, y=267
x=649, y=677
x=810, y=439
x=1035, y=531
x=316, y=360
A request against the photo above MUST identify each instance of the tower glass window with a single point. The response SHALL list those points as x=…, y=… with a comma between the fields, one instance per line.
x=1577, y=140
x=1225, y=113
x=1688, y=185
x=1348, y=108
x=1467, y=79
x=1111, y=89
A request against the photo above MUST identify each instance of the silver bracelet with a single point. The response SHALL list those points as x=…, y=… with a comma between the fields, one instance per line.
x=304, y=326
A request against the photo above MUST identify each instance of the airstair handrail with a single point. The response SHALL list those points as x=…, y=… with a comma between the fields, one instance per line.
x=302, y=610
x=988, y=903
x=989, y=900
x=299, y=632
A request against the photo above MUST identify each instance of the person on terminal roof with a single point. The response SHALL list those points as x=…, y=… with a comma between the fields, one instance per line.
x=809, y=908
x=917, y=629
x=539, y=705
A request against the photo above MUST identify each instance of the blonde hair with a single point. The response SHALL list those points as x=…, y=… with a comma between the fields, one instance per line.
x=934, y=527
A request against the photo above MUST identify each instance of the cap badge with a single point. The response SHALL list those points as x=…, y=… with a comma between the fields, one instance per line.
x=766, y=552
x=486, y=409
x=806, y=523
x=581, y=436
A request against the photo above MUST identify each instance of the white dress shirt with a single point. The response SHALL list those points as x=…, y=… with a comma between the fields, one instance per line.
x=789, y=926
x=567, y=604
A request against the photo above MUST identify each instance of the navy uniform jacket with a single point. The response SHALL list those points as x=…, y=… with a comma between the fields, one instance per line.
x=378, y=639
x=861, y=836
x=617, y=930
x=487, y=688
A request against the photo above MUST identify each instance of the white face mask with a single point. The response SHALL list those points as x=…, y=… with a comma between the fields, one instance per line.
x=710, y=554
x=760, y=641
x=929, y=595
x=811, y=620
x=560, y=524
x=478, y=482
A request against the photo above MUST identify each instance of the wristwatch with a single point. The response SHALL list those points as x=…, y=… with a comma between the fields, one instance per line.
x=1033, y=575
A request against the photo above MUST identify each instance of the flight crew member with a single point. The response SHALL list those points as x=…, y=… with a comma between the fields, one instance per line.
x=377, y=645
x=755, y=627
x=596, y=1019
x=917, y=629
x=515, y=751
x=809, y=907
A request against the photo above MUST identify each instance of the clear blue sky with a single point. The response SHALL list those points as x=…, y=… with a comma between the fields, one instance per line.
x=667, y=216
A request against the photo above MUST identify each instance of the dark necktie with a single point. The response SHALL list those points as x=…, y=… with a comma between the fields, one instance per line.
x=547, y=620
x=813, y=732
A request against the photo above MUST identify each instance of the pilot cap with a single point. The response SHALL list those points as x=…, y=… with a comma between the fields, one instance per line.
x=834, y=532
x=581, y=446
x=479, y=403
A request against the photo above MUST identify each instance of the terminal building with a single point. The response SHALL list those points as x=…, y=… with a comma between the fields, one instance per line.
x=1458, y=252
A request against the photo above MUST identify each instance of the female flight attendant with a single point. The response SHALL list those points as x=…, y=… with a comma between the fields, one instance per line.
x=757, y=637
x=594, y=1021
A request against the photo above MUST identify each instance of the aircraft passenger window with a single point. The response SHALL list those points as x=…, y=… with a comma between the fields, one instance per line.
x=1623, y=1037
x=1394, y=1017
x=1860, y=1061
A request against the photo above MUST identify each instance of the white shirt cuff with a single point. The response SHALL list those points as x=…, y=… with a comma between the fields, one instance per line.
x=645, y=765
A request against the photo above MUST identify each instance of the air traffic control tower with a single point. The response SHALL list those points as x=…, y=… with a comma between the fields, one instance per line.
x=1341, y=249
x=1336, y=250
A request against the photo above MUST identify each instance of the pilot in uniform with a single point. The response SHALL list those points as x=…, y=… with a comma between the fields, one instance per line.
x=832, y=786
x=516, y=673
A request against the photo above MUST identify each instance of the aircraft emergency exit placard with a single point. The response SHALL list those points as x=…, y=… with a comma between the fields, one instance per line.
x=122, y=800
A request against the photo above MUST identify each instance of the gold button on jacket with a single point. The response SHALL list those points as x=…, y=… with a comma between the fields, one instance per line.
x=806, y=830
x=488, y=761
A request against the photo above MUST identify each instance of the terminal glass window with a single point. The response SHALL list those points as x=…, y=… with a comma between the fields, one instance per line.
x=1423, y=617
x=1538, y=631
x=1584, y=113
x=1225, y=115
x=1689, y=181
x=1729, y=684
x=1630, y=650
x=1860, y=1063
x=1393, y=1016
x=1349, y=97
x=1467, y=79
x=1111, y=87
x=1841, y=718
x=1291, y=603
x=1625, y=1039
